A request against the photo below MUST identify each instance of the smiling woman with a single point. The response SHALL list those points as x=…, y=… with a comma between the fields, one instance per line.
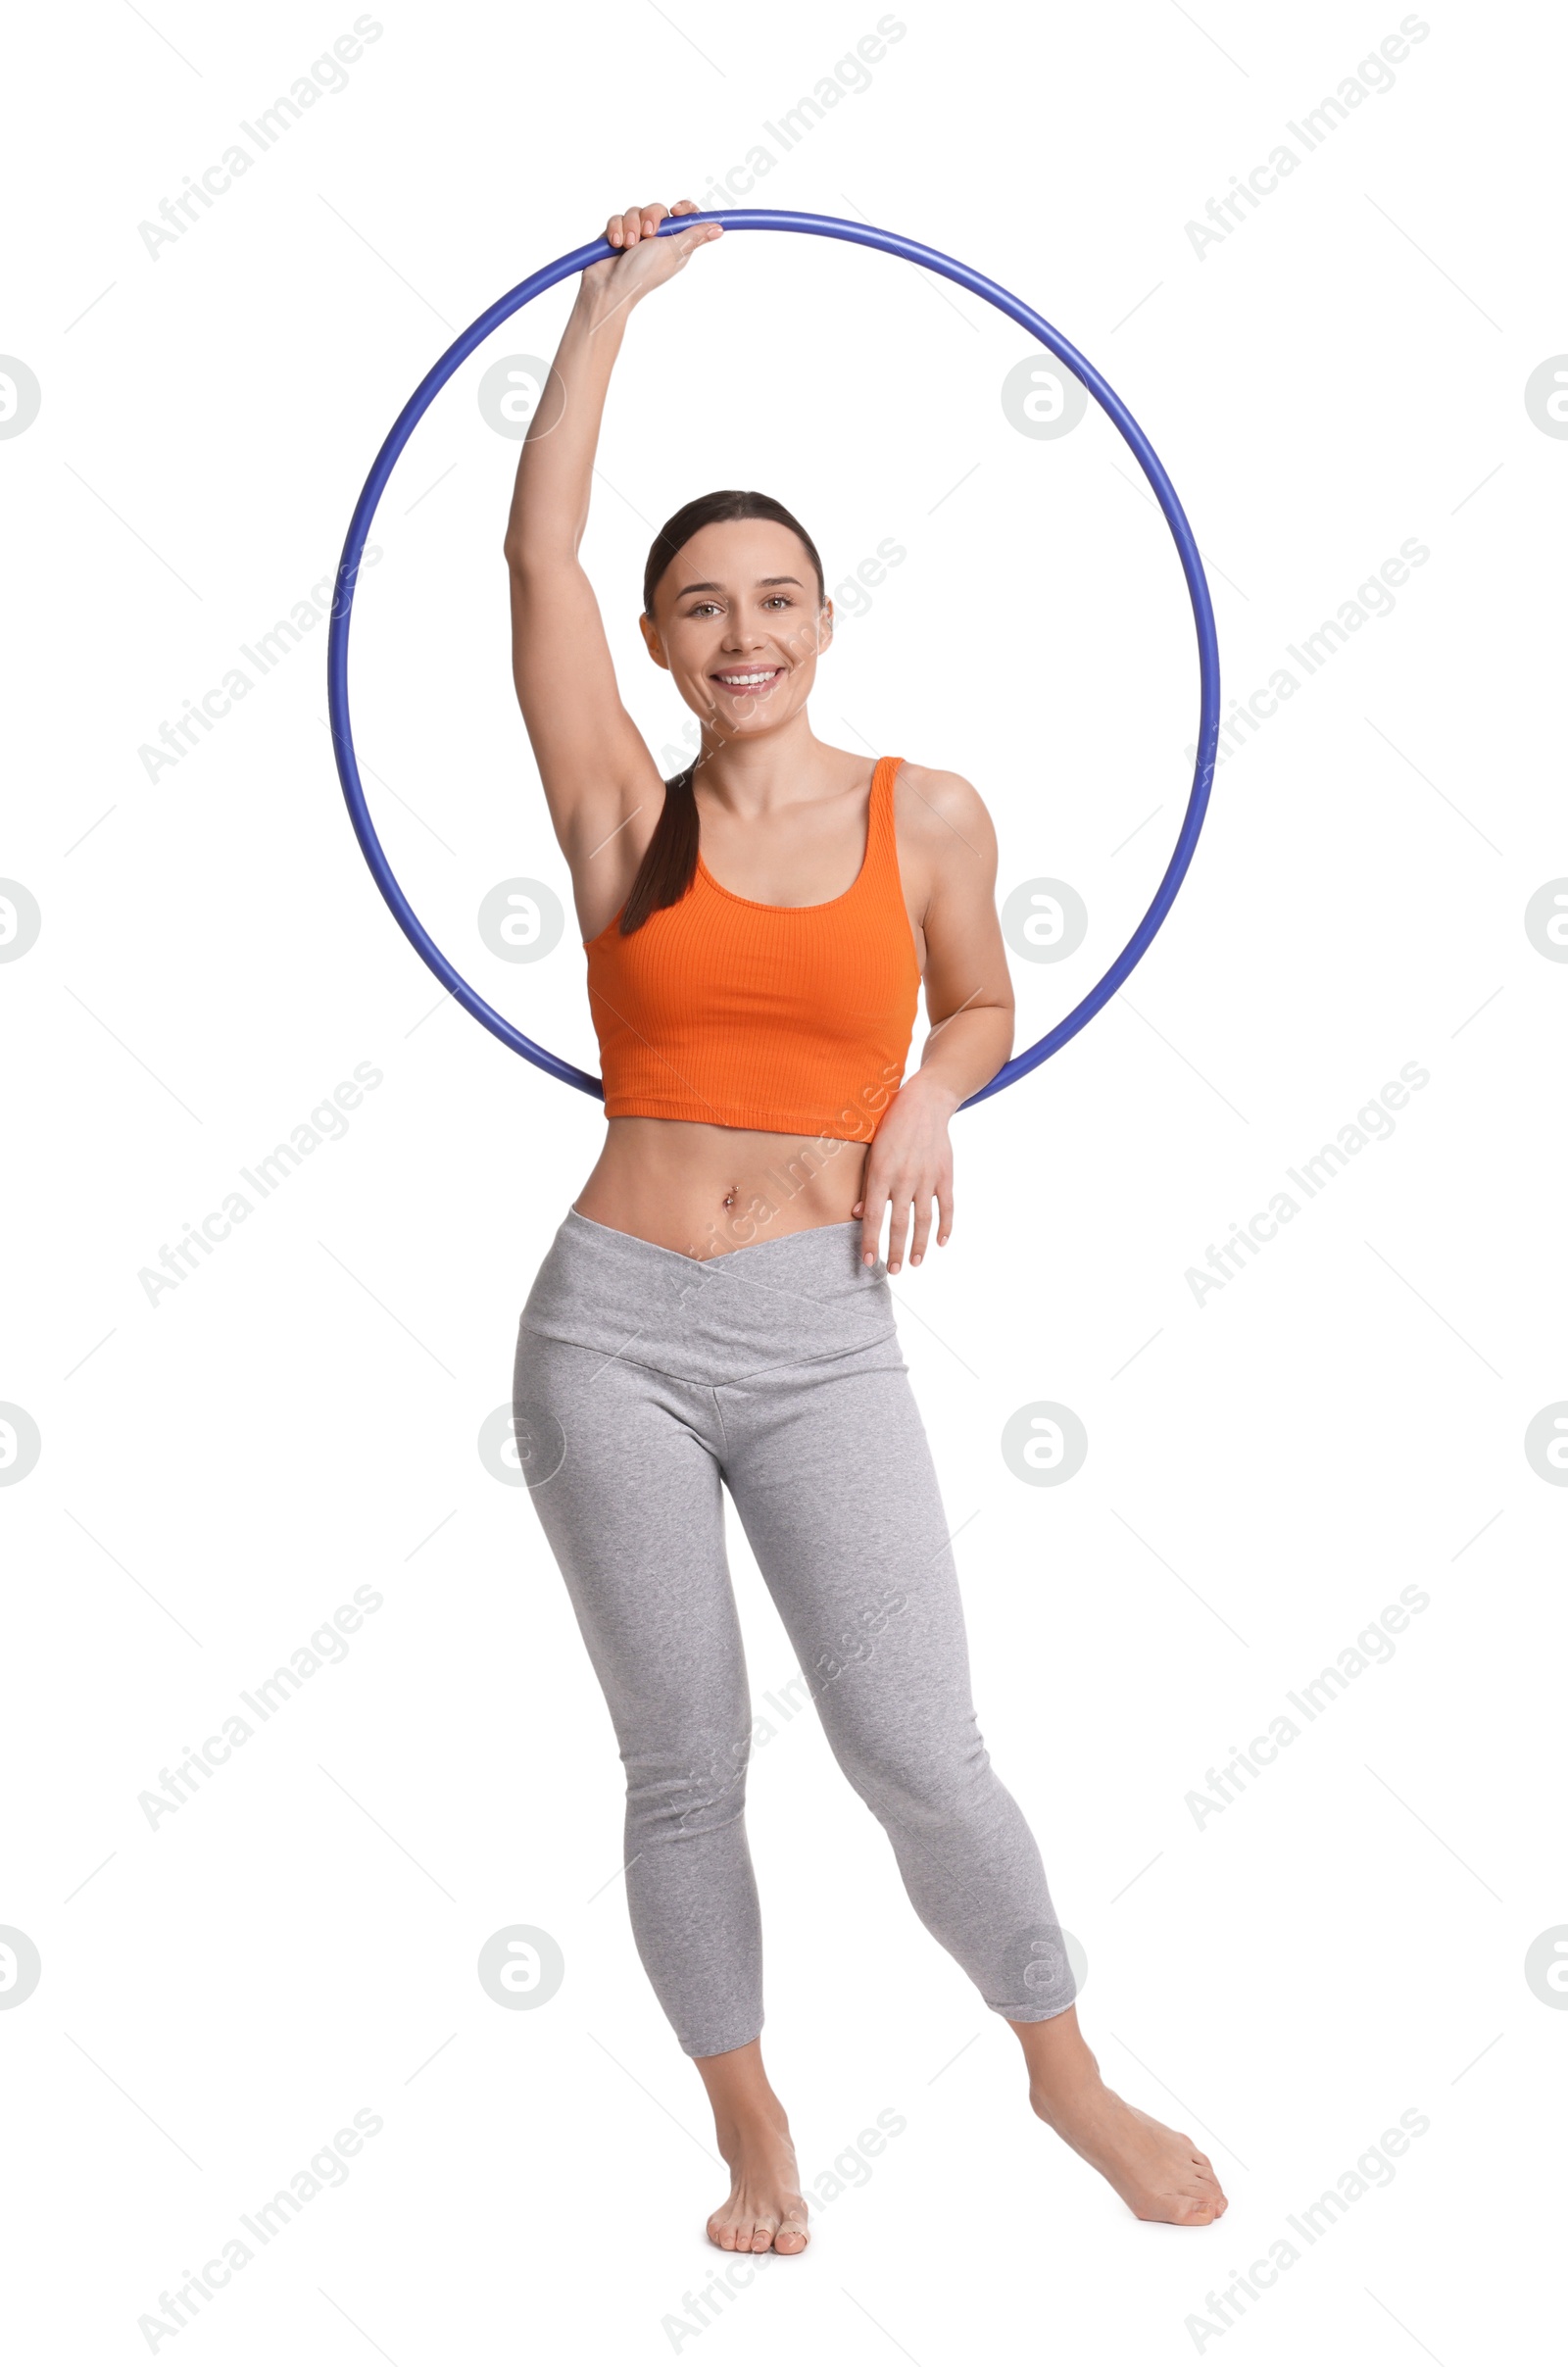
x=715, y=1311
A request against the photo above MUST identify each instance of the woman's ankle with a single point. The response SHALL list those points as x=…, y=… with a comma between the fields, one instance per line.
x=745, y=2110
x=1061, y=2063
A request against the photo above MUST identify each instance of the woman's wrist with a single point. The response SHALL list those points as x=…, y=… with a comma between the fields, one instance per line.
x=596, y=306
x=934, y=1088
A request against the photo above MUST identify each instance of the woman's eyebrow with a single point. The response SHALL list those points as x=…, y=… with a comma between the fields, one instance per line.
x=718, y=587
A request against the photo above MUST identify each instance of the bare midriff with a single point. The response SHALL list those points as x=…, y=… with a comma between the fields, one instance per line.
x=707, y=1190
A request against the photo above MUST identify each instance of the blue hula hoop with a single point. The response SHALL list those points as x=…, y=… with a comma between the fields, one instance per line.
x=813, y=225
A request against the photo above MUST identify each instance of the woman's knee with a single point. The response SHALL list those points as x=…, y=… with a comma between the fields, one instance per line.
x=931, y=1779
x=690, y=1784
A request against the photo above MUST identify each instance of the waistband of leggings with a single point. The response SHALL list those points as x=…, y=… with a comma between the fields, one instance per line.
x=818, y=1242
x=787, y=1300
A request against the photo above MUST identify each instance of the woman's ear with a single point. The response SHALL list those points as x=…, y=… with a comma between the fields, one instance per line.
x=655, y=649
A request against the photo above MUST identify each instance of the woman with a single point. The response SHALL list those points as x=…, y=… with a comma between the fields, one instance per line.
x=715, y=1311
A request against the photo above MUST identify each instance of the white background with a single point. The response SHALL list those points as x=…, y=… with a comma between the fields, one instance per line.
x=1266, y=1469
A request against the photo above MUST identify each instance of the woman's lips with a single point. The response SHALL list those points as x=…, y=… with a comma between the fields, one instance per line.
x=752, y=690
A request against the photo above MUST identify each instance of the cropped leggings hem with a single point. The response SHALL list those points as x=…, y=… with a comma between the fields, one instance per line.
x=646, y=1383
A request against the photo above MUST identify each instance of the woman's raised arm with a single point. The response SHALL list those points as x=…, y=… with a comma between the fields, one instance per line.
x=595, y=765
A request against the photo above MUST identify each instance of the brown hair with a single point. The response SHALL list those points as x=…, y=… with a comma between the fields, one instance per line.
x=669, y=865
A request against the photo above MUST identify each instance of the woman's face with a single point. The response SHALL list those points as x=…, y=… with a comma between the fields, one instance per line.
x=738, y=624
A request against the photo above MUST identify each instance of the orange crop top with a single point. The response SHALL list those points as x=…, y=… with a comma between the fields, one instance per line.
x=788, y=1018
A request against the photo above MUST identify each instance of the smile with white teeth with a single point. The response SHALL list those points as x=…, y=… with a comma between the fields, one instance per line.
x=749, y=680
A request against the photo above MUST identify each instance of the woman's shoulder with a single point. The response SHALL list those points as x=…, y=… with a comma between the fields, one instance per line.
x=931, y=803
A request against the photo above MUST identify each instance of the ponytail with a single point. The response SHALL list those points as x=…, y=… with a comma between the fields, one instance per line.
x=669, y=865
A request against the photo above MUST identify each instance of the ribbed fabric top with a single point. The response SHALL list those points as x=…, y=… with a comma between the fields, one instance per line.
x=788, y=1018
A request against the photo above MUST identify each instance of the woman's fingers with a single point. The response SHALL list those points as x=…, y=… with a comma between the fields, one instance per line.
x=637, y=223
x=939, y=1189
x=870, y=1207
x=907, y=1198
x=915, y=1200
x=898, y=1225
x=638, y=228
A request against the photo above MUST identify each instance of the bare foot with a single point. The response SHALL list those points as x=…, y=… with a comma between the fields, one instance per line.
x=1158, y=2173
x=765, y=2210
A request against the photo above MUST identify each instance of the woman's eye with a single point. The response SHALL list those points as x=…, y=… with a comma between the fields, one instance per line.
x=703, y=607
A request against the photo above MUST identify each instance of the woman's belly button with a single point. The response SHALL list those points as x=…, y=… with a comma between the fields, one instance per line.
x=704, y=1207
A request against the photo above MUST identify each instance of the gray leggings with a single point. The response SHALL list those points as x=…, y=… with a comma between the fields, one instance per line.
x=644, y=1380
